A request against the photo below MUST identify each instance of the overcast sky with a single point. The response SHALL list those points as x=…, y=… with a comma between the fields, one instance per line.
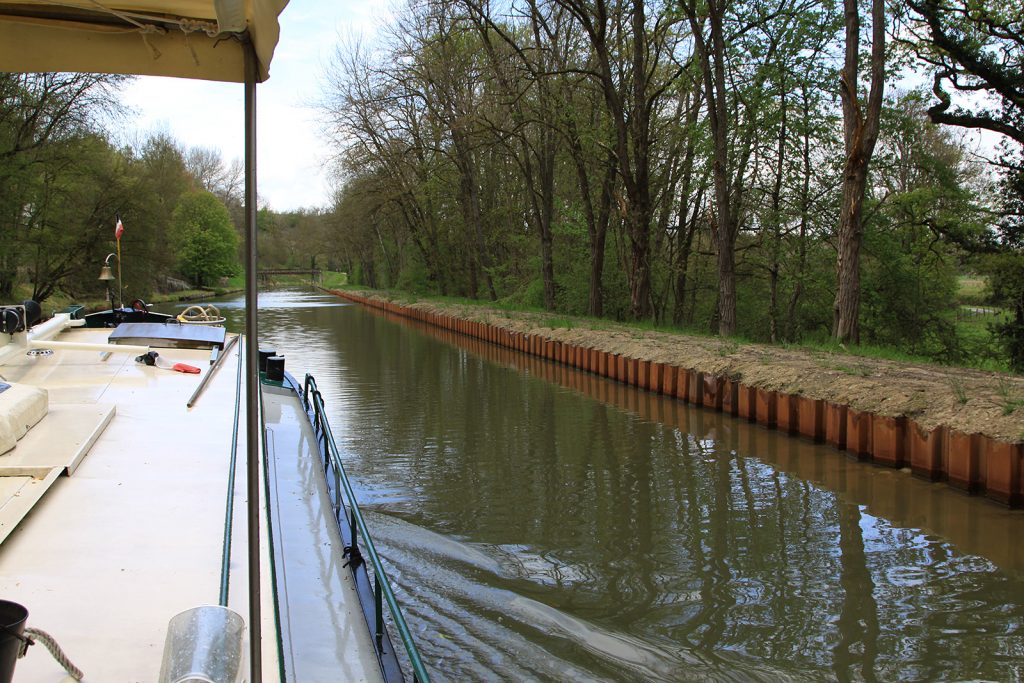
x=290, y=151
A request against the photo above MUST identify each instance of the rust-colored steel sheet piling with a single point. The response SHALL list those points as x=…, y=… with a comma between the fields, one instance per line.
x=730, y=396
x=786, y=414
x=747, y=408
x=1020, y=483
x=657, y=377
x=836, y=425
x=765, y=406
x=963, y=465
x=712, y=392
x=1002, y=478
x=643, y=375
x=682, y=384
x=696, y=388
x=858, y=433
x=926, y=448
x=972, y=462
x=670, y=374
x=811, y=418
x=888, y=440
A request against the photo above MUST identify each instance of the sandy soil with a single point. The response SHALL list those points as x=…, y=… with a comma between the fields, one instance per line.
x=963, y=399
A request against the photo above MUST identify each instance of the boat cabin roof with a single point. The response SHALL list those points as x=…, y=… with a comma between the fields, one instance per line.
x=169, y=335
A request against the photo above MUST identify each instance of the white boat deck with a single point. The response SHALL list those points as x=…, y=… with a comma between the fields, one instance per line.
x=106, y=556
x=111, y=553
x=324, y=632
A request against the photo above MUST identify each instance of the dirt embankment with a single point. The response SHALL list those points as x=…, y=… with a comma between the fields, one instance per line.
x=966, y=400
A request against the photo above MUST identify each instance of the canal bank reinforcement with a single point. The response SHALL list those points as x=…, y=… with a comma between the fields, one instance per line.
x=969, y=461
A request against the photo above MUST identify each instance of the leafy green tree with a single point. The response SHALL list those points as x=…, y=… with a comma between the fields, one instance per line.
x=42, y=118
x=978, y=47
x=203, y=238
x=1005, y=269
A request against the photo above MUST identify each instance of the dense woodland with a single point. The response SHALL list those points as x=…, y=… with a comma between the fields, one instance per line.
x=785, y=171
x=771, y=169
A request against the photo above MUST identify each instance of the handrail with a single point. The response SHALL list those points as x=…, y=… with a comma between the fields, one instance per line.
x=229, y=504
x=314, y=402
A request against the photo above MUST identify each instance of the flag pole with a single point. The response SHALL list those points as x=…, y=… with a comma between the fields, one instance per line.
x=118, y=230
x=120, y=282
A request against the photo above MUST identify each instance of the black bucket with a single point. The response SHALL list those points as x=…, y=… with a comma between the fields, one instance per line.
x=12, y=625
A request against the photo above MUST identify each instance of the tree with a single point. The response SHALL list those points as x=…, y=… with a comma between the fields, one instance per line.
x=40, y=114
x=632, y=69
x=207, y=167
x=860, y=132
x=202, y=237
x=977, y=48
x=1006, y=268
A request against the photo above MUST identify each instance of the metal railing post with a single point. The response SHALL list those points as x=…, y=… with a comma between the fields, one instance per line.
x=252, y=387
x=378, y=604
x=382, y=592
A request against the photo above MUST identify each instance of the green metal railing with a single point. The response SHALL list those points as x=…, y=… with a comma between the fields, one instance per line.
x=382, y=593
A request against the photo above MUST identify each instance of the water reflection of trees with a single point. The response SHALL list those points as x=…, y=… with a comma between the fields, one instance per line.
x=672, y=523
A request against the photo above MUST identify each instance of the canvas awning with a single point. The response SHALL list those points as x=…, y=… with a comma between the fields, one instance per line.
x=182, y=38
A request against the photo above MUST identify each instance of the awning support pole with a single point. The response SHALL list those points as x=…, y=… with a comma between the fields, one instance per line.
x=252, y=384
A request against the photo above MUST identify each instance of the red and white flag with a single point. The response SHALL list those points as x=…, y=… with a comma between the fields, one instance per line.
x=118, y=229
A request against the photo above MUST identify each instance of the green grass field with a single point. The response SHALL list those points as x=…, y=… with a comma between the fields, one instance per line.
x=972, y=289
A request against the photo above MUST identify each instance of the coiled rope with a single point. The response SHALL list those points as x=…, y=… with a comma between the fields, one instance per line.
x=32, y=635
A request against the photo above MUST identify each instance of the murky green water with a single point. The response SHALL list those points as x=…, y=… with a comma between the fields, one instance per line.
x=544, y=524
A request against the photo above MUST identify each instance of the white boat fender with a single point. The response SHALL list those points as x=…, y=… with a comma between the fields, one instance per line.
x=153, y=358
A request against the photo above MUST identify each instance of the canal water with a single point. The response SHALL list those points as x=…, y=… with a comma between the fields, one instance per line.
x=545, y=524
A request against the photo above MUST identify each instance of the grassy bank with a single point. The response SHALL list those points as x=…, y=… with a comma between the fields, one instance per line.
x=973, y=328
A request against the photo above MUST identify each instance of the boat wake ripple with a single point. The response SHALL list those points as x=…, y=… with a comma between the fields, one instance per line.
x=472, y=619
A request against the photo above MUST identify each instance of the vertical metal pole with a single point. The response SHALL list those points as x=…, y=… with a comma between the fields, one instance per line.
x=252, y=384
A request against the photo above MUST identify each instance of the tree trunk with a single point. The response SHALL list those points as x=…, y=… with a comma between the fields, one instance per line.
x=597, y=220
x=597, y=242
x=684, y=231
x=860, y=134
x=846, y=309
x=724, y=228
x=792, y=333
